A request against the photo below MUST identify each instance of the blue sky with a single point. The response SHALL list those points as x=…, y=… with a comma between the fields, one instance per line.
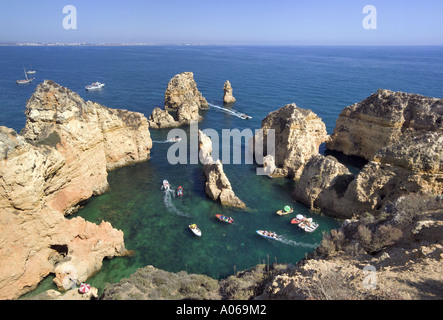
x=315, y=22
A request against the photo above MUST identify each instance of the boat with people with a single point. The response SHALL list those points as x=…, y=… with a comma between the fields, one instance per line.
x=165, y=185
x=26, y=80
x=286, y=210
x=175, y=139
x=298, y=218
x=195, y=230
x=224, y=218
x=246, y=117
x=94, y=86
x=308, y=225
x=268, y=234
x=180, y=191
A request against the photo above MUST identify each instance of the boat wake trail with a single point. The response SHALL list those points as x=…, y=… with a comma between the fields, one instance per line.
x=228, y=111
x=167, y=200
x=297, y=244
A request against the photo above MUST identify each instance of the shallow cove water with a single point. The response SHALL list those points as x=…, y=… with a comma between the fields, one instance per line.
x=155, y=224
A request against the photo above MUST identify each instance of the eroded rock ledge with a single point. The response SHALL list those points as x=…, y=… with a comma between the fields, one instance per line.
x=60, y=159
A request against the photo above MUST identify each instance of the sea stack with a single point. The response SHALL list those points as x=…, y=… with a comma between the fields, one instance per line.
x=227, y=89
x=217, y=187
x=298, y=136
x=183, y=99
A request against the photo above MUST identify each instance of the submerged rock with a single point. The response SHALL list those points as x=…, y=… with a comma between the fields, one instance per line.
x=59, y=160
x=227, y=96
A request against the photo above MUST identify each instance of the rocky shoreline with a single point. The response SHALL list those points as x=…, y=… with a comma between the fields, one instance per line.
x=393, y=207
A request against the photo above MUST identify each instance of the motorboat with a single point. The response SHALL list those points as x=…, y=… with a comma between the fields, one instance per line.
x=298, y=218
x=166, y=185
x=224, y=218
x=195, y=230
x=95, y=86
x=267, y=234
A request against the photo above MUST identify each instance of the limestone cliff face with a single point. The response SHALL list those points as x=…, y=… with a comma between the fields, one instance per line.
x=181, y=97
x=402, y=136
x=322, y=183
x=384, y=118
x=298, y=135
x=218, y=186
x=413, y=165
x=60, y=159
x=227, y=93
x=89, y=137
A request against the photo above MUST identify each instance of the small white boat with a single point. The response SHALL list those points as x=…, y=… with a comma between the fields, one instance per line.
x=166, y=185
x=25, y=81
x=195, y=230
x=267, y=234
x=95, y=86
x=246, y=117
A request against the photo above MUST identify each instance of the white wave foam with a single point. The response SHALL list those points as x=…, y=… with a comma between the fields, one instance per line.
x=297, y=244
x=167, y=200
x=229, y=111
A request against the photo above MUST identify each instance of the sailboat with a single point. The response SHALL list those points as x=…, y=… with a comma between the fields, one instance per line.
x=25, y=81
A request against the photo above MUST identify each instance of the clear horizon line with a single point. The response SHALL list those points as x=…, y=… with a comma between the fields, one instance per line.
x=31, y=43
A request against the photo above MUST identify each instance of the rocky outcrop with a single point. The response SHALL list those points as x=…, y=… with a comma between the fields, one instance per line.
x=183, y=99
x=227, y=93
x=298, y=135
x=59, y=160
x=160, y=119
x=384, y=118
x=217, y=185
x=322, y=183
x=150, y=283
x=414, y=165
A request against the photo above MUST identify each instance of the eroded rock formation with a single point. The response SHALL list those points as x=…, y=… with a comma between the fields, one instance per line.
x=384, y=118
x=183, y=99
x=298, y=135
x=217, y=185
x=227, y=93
x=60, y=159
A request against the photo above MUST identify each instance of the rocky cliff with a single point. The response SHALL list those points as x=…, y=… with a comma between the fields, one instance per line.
x=217, y=187
x=384, y=118
x=298, y=135
x=59, y=160
x=405, y=155
x=183, y=99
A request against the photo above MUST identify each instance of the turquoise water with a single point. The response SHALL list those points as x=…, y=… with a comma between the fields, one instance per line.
x=155, y=224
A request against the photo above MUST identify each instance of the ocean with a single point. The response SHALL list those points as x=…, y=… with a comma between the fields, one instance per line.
x=264, y=79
